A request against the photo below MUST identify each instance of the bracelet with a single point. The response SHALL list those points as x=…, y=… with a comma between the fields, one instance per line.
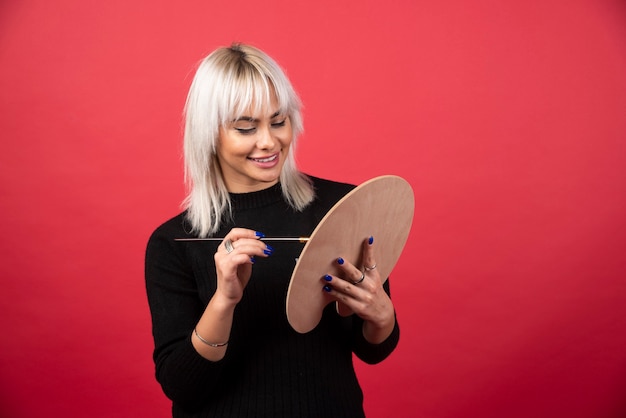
x=208, y=343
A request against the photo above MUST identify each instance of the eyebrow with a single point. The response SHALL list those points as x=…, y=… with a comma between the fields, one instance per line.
x=251, y=119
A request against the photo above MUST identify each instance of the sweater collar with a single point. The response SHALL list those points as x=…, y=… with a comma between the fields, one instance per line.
x=256, y=199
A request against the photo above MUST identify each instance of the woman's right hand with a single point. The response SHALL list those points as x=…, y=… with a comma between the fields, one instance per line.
x=234, y=259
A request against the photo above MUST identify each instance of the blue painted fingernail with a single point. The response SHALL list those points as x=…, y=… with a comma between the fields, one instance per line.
x=252, y=260
x=371, y=240
x=269, y=247
x=328, y=278
x=259, y=234
x=327, y=289
x=267, y=252
x=340, y=260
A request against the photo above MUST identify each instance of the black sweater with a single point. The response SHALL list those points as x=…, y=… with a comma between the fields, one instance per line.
x=269, y=369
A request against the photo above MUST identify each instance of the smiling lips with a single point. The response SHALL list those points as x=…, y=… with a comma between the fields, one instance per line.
x=266, y=160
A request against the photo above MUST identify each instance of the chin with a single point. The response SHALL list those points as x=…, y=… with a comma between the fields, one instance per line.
x=271, y=180
x=270, y=177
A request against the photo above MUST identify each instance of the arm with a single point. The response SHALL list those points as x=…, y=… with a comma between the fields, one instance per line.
x=376, y=331
x=370, y=352
x=175, y=307
x=187, y=368
x=234, y=268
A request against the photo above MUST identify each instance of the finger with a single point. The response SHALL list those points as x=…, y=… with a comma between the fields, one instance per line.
x=253, y=248
x=240, y=233
x=338, y=288
x=245, y=246
x=353, y=274
x=345, y=294
x=247, y=241
x=369, y=262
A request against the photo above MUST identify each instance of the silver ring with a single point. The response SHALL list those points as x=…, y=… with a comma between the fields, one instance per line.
x=228, y=244
x=370, y=268
x=360, y=280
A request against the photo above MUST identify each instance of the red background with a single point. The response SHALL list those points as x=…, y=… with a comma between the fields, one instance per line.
x=507, y=118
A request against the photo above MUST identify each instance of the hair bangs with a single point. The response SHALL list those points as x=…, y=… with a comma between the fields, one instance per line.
x=249, y=93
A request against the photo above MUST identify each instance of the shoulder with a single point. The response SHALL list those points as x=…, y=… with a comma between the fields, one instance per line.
x=163, y=236
x=176, y=227
x=325, y=188
x=327, y=194
x=163, y=252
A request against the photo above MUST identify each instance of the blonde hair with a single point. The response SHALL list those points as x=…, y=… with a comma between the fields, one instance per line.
x=228, y=82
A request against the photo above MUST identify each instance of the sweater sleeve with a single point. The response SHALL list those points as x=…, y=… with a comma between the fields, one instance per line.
x=329, y=193
x=374, y=353
x=185, y=376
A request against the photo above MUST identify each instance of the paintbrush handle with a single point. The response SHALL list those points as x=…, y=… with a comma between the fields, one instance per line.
x=299, y=239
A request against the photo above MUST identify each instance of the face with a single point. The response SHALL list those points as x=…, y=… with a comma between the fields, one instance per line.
x=253, y=149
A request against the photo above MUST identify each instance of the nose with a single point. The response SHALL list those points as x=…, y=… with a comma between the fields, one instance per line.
x=265, y=138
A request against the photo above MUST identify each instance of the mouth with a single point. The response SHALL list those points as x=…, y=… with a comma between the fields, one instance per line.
x=265, y=159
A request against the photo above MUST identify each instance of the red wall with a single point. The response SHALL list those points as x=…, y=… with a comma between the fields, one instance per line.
x=508, y=119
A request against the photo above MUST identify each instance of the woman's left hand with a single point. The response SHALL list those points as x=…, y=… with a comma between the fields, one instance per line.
x=361, y=290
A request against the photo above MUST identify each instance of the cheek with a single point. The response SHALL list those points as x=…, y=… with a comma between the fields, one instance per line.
x=229, y=149
x=286, y=140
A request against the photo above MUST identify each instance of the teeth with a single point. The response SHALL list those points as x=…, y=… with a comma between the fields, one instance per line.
x=265, y=160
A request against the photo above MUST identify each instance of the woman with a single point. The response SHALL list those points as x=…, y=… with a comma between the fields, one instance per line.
x=223, y=346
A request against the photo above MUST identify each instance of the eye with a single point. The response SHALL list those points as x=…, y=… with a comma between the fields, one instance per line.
x=245, y=131
x=279, y=124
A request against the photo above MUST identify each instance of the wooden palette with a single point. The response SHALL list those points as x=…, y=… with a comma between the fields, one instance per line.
x=381, y=207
